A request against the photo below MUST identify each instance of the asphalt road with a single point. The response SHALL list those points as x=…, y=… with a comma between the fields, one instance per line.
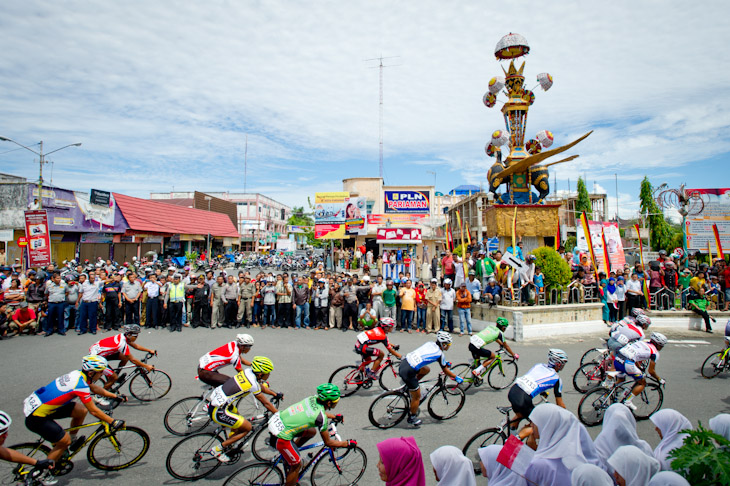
x=304, y=359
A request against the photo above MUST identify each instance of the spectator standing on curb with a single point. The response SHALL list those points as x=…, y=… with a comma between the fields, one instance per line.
x=447, y=305
x=175, y=302
x=301, y=303
x=407, y=306
x=201, y=297
x=377, y=294
x=71, y=309
x=389, y=300
x=131, y=292
x=247, y=289
x=448, y=267
x=90, y=295
x=421, y=307
x=56, y=290
x=268, y=294
x=112, y=291
x=433, y=309
x=153, y=302
x=463, y=303
x=231, y=301
x=284, y=304
x=216, y=302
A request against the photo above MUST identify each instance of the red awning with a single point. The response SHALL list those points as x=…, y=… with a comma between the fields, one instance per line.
x=159, y=217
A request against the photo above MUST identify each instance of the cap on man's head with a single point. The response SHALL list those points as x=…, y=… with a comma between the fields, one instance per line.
x=433, y=280
x=23, y=305
x=463, y=284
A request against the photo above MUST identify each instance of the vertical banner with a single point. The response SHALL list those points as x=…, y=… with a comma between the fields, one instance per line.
x=709, y=252
x=514, y=250
x=606, y=261
x=464, y=260
x=557, y=236
x=449, y=237
x=468, y=233
x=641, y=253
x=720, y=253
x=587, y=232
x=38, y=238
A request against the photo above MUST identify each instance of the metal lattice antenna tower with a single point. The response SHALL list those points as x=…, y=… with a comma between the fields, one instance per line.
x=380, y=125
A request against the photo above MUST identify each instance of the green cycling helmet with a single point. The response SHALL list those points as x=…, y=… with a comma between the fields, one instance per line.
x=502, y=321
x=327, y=392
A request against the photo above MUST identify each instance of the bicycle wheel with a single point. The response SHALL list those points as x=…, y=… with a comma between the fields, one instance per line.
x=593, y=354
x=482, y=439
x=12, y=473
x=648, y=401
x=248, y=406
x=187, y=416
x=261, y=448
x=348, y=379
x=389, y=409
x=389, y=378
x=443, y=404
x=341, y=467
x=150, y=385
x=713, y=365
x=588, y=376
x=463, y=370
x=256, y=475
x=593, y=405
x=190, y=459
x=118, y=451
x=501, y=379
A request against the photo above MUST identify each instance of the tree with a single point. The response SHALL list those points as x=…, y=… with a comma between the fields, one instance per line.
x=584, y=200
x=555, y=269
x=661, y=235
x=299, y=217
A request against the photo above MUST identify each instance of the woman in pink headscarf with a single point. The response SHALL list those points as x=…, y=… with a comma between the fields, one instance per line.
x=401, y=463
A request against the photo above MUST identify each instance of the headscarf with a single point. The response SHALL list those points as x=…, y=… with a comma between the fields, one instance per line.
x=668, y=478
x=452, y=467
x=720, y=425
x=670, y=422
x=611, y=287
x=403, y=462
x=562, y=437
x=633, y=465
x=619, y=429
x=497, y=474
x=589, y=475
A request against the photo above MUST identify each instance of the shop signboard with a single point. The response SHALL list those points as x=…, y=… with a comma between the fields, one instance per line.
x=6, y=234
x=395, y=218
x=73, y=211
x=414, y=202
x=100, y=198
x=38, y=237
x=716, y=211
x=97, y=238
x=613, y=241
x=399, y=235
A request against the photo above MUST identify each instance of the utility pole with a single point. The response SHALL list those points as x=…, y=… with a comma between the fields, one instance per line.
x=245, y=164
x=380, y=129
x=616, y=176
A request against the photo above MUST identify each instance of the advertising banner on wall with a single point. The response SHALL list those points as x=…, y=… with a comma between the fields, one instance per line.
x=356, y=222
x=329, y=207
x=38, y=237
x=73, y=211
x=414, y=202
x=613, y=241
x=396, y=218
x=399, y=235
x=337, y=215
x=716, y=211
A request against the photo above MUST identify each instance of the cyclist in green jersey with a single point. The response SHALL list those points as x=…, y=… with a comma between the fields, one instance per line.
x=489, y=335
x=302, y=421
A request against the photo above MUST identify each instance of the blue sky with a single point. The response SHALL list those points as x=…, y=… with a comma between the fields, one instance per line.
x=163, y=96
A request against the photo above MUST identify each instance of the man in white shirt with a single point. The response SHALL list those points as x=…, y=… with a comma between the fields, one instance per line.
x=89, y=297
x=377, y=296
x=152, y=286
x=448, y=295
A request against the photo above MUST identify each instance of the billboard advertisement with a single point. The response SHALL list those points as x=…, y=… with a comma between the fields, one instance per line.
x=613, y=241
x=413, y=202
x=38, y=238
x=337, y=215
x=716, y=211
x=73, y=211
x=329, y=207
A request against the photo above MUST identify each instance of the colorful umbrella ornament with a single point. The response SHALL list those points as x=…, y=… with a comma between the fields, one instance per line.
x=489, y=99
x=491, y=150
x=545, y=80
x=496, y=84
x=500, y=137
x=528, y=96
x=545, y=138
x=511, y=46
x=533, y=146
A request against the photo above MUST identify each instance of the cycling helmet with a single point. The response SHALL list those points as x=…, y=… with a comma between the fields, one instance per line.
x=658, y=338
x=502, y=321
x=327, y=392
x=5, y=422
x=443, y=337
x=644, y=320
x=261, y=364
x=131, y=329
x=637, y=311
x=387, y=323
x=244, y=340
x=556, y=356
x=94, y=363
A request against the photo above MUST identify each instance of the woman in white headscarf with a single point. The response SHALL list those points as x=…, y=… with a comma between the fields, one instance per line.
x=669, y=424
x=668, y=478
x=563, y=445
x=631, y=467
x=619, y=429
x=451, y=468
x=497, y=474
x=589, y=475
x=720, y=425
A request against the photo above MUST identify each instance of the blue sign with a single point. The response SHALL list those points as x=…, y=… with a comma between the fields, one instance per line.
x=409, y=202
x=492, y=244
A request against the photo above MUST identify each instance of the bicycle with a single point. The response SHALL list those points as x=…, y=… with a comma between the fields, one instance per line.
x=716, y=363
x=29, y=477
x=592, y=374
x=595, y=402
x=502, y=372
x=190, y=458
x=594, y=354
x=108, y=450
x=443, y=403
x=145, y=386
x=350, y=378
x=347, y=467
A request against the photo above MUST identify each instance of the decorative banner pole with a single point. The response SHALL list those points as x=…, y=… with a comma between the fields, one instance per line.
x=557, y=235
x=718, y=243
x=641, y=254
x=606, y=261
x=462, y=246
x=587, y=232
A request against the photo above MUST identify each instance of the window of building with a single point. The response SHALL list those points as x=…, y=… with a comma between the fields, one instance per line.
x=283, y=215
x=370, y=205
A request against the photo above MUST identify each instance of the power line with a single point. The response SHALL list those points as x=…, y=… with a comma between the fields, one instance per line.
x=380, y=67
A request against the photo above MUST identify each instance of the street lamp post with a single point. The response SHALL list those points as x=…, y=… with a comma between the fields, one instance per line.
x=42, y=158
x=209, y=198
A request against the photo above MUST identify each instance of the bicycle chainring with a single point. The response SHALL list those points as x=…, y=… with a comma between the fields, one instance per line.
x=62, y=468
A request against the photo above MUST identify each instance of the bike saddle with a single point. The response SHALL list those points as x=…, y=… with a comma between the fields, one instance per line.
x=504, y=410
x=612, y=373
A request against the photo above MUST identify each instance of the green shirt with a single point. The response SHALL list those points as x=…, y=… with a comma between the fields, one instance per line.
x=389, y=297
x=485, y=267
x=292, y=421
x=684, y=281
x=488, y=335
x=701, y=304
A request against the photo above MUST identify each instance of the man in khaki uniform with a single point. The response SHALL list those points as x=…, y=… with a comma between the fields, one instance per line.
x=246, y=292
x=433, y=311
x=216, y=302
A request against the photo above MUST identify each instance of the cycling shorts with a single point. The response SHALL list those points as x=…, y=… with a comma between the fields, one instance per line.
x=520, y=400
x=226, y=416
x=627, y=367
x=366, y=350
x=212, y=378
x=288, y=450
x=478, y=353
x=408, y=375
x=109, y=371
x=46, y=426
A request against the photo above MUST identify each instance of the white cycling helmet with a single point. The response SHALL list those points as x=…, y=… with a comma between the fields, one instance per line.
x=556, y=356
x=658, y=338
x=5, y=422
x=637, y=311
x=643, y=320
x=244, y=340
x=443, y=337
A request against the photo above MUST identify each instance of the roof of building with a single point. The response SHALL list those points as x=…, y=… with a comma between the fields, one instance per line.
x=464, y=189
x=161, y=217
x=184, y=202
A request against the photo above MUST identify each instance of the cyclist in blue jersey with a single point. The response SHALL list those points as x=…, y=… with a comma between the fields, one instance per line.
x=414, y=367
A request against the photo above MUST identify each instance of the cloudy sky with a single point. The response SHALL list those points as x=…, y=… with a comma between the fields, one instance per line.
x=163, y=94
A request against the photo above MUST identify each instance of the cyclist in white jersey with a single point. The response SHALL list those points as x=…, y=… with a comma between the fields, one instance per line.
x=413, y=368
x=631, y=354
x=627, y=330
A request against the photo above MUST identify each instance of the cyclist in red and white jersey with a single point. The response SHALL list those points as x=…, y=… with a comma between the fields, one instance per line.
x=117, y=348
x=628, y=330
x=631, y=354
x=367, y=340
x=228, y=354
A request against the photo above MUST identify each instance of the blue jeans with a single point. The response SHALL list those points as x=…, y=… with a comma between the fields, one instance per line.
x=420, y=318
x=256, y=317
x=464, y=315
x=269, y=315
x=302, y=309
x=55, y=317
x=447, y=317
x=70, y=312
x=87, y=316
x=406, y=318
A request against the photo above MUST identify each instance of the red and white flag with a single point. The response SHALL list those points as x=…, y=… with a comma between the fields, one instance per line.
x=515, y=455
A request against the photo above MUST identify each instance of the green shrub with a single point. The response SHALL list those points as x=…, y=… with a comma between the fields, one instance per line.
x=704, y=459
x=191, y=256
x=555, y=269
x=570, y=243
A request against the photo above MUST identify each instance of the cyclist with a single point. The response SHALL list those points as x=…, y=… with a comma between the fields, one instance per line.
x=490, y=334
x=630, y=355
x=628, y=330
x=56, y=400
x=367, y=340
x=413, y=368
x=302, y=421
x=223, y=411
x=11, y=455
x=117, y=348
x=228, y=354
x=538, y=381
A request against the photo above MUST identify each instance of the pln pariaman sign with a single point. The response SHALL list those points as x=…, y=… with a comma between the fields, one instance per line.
x=406, y=202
